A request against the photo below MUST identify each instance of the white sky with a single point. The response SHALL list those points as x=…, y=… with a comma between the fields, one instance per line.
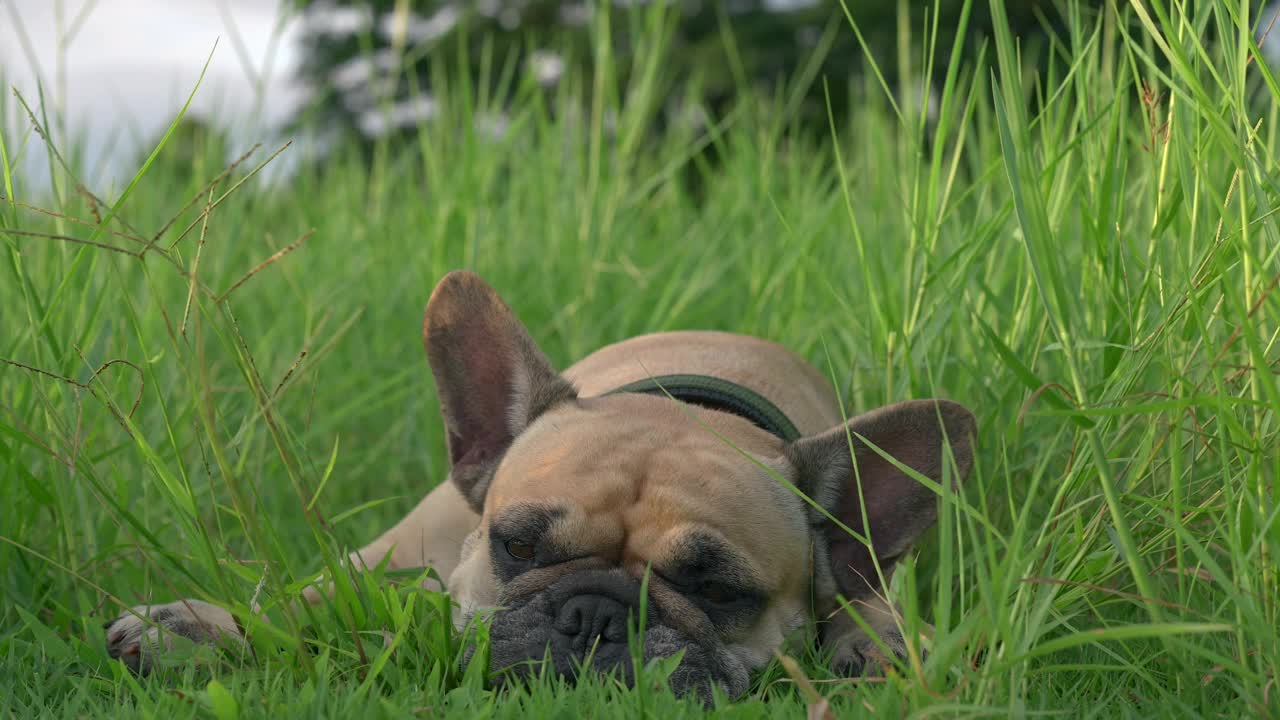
x=132, y=64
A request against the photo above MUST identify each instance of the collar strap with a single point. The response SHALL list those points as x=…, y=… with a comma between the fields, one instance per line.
x=717, y=394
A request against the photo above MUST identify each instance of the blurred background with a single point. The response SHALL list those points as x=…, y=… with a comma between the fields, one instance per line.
x=114, y=73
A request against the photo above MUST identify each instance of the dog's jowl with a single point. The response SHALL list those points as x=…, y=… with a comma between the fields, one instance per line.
x=668, y=462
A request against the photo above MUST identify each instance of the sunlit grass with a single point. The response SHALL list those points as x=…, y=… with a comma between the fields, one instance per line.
x=1085, y=257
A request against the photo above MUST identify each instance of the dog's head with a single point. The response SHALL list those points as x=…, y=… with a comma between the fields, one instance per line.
x=583, y=498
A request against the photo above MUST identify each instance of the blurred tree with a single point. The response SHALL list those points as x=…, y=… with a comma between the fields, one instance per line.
x=372, y=66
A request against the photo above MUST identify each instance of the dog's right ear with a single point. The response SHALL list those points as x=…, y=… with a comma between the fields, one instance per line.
x=840, y=471
x=492, y=379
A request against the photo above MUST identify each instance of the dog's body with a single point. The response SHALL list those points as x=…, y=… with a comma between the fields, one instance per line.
x=431, y=534
x=565, y=494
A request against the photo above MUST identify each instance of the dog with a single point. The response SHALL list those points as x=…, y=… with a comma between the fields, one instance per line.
x=713, y=472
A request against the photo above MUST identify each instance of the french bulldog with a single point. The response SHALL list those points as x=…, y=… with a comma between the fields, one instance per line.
x=713, y=470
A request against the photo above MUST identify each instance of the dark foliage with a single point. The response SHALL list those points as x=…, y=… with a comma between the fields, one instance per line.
x=370, y=75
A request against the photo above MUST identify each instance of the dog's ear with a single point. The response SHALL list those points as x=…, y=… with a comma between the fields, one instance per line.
x=897, y=507
x=492, y=379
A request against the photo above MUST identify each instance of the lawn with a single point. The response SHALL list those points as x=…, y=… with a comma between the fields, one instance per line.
x=212, y=386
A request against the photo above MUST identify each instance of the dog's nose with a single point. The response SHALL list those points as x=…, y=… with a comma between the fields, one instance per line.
x=585, y=618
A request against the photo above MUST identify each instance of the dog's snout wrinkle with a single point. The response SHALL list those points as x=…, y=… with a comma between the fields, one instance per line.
x=610, y=582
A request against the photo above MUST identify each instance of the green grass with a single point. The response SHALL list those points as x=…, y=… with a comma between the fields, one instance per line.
x=1090, y=268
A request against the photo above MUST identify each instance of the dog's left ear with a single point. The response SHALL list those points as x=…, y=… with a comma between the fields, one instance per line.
x=492, y=379
x=897, y=507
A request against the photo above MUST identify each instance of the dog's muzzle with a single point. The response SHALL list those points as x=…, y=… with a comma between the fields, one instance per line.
x=592, y=621
x=584, y=622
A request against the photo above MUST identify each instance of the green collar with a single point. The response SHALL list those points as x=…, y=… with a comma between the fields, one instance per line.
x=716, y=394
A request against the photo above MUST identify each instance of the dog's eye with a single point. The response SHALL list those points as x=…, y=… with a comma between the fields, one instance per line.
x=716, y=593
x=520, y=550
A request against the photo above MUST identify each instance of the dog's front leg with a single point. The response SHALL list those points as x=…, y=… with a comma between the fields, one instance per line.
x=429, y=536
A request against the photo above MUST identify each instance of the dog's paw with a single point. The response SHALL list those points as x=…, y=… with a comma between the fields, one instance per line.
x=856, y=652
x=138, y=636
x=858, y=655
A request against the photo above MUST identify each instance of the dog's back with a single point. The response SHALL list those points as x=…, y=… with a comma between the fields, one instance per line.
x=776, y=373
